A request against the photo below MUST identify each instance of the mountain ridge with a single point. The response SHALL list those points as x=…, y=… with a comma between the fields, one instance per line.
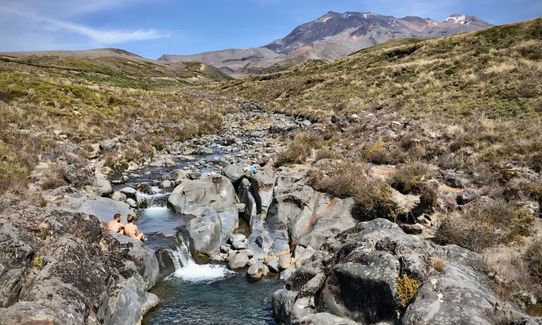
x=330, y=36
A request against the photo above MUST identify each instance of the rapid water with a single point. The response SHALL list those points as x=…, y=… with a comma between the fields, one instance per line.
x=202, y=293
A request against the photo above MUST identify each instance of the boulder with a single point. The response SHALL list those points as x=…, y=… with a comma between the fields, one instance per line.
x=102, y=185
x=307, y=216
x=193, y=196
x=238, y=259
x=371, y=272
x=205, y=232
x=238, y=241
x=118, y=196
x=233, y=172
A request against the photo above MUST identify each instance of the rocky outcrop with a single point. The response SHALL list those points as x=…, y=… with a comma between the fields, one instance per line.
x=63, y=267
x=301, y=215
x=375, y=273
x=211, y=191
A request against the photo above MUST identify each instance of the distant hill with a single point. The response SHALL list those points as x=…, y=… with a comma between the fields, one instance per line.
x=329, y=37
x=115, y=62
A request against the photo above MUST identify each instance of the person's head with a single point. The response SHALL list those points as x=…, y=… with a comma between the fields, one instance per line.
x=117, y=217
x=249, y=170
x=131, y=218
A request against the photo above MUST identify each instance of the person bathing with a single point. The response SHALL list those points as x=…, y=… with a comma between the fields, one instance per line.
x=115, y=224
x=130, y=229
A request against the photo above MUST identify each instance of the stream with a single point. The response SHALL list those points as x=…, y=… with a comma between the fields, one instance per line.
x=199, y=292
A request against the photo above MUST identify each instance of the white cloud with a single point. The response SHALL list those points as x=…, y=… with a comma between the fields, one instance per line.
x=98, y=36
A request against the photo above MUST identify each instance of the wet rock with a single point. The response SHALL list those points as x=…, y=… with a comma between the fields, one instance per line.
x=129, y=192
x=118, y=196
x=283, y=301
x=132, y=203
x=273, y=265
x=167, y=184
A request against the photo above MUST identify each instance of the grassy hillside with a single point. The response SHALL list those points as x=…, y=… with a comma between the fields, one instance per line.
x=496, y=72
x=464, y=111
x=47, y=101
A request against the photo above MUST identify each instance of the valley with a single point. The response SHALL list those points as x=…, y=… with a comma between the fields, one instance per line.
x=399, y=181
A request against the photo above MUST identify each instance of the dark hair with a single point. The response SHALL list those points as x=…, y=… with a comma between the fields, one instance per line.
x=117, y=216
x=131, y=218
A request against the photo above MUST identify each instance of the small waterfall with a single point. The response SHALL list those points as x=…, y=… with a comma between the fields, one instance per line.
x=155, y=199
x=188, y=270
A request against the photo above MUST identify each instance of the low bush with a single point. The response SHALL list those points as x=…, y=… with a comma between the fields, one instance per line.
x=349, y=179
x=407, y=288
x=533, y=258
x=486, y=225
x=411, y=177
x=300, y=149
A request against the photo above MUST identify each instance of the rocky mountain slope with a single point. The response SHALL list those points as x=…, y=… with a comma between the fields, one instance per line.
x=329, y=37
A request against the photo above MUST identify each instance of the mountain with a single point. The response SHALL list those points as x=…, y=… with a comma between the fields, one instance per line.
x=114, y=62
x=329, y=37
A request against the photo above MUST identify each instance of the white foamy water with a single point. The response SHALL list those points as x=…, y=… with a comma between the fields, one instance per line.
x=188, y=270
x=194, y=272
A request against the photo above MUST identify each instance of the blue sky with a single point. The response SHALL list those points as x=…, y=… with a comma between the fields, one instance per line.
x=154, y=27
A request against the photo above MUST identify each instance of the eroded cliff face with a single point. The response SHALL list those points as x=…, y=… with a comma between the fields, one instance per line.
x=64, y=268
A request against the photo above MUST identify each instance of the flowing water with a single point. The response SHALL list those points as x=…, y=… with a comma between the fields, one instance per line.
x=202, y=293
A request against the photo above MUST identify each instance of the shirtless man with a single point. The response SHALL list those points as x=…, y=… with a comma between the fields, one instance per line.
x=115, y=225
x=130, y=229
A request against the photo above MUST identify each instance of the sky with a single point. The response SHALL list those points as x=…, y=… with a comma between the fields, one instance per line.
x=152, y=28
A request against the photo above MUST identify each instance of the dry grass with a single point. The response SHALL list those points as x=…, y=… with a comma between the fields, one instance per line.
x=299, y=149
x=349, y=179
x=411, y=177
x=485, y=225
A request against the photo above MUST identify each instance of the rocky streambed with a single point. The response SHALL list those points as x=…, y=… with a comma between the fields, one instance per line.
x=212, y=259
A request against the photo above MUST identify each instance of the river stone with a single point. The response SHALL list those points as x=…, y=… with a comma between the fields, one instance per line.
x=273, y=265
x=326, y=319
x=194, y=196
x=132, y=203
x=118, y=196
x=237, y=259
x=205, y=232
x=282, y=303
x=233, y=172
x=238, y=241
x=129, y=192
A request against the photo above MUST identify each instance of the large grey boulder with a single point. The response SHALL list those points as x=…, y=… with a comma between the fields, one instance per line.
x=233, y=172
x=103, y=208
x=306, y=216
x=192, y=197
x=73, y=271
x=205, y=232
x=360, y=275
